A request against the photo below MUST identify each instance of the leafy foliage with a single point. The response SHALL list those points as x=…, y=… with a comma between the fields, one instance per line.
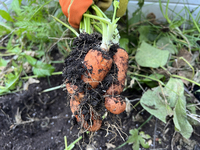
x=148, y=56
x=138, y=138
x=169, y=101
x=31, y=34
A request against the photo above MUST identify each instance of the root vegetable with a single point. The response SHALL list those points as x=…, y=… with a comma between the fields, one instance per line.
x=74, y=92
x=96, y=124
x=74, y=105
x=115, y=105
x=99, y=64
x=121, y=60
x=75, y=108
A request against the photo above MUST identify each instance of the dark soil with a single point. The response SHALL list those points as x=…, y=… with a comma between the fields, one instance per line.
x=34, y=120
x=46, y=119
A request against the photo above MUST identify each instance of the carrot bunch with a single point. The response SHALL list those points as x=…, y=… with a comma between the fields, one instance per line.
x=95, y=70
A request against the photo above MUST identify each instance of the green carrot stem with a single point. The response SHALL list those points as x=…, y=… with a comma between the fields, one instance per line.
x=66, y=25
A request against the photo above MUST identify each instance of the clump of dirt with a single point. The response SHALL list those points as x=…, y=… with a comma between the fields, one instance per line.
x=75, y=67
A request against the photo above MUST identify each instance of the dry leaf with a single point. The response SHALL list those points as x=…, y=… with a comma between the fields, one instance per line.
x=128, y=106
x=27, y=67
x=186, y=74
x=30, y=81
x=18, y=117
x=178, y=63
x=110, y=145
x=30, y=53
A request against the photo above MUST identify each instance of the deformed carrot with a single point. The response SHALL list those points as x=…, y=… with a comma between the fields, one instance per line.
x=98, y=65
x=115, y=105
x=75, y=108
x=121, y=60
x=96, y=124
x=74, y=92
x=74, y=105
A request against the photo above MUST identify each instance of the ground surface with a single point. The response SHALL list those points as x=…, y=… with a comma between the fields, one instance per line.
x=46, y=119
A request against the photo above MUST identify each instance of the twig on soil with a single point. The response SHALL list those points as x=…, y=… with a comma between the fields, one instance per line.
x=140, y=86
x=31, y=120
x=154, y=136
x=136, y=99
x=173, y=141
x=165, y=130
x=193, y=116
x=53, y=88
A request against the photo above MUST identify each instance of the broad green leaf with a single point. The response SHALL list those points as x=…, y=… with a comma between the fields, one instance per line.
x=168, y=101
x=135, y=19
x=180, y=118
x=31, y=60
x=123, y=42
x=154, y=103
x=147, y=34
x=6, y=15
x=41, y=69
x=165, y=43
x=149, y=56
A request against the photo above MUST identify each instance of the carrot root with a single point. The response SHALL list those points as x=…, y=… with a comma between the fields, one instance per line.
x=74, y=92
x=121, y=60
x=115, y=105
x=99, y=64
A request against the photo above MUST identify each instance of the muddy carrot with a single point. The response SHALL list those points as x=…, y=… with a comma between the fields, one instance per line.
x=98, y=65
x=121, y=60
x=74, y=92
x=76, y=110
x=115, y=105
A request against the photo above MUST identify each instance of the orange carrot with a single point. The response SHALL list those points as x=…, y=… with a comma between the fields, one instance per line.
x=115, y=105
x=96, y=122
x=121, y=60
x=74, y=92
x=99, y=64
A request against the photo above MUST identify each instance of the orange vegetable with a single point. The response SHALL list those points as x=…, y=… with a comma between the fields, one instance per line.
x=74, y=92
x=115, y=105
x=96, y=123
x=99, y=64
x=121, y=60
